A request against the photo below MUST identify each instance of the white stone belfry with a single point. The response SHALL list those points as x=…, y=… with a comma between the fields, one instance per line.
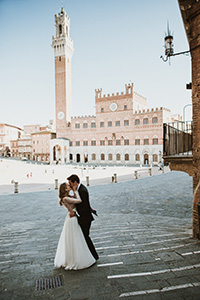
x=63, y=51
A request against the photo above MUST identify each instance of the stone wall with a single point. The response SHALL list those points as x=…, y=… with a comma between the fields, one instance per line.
x=190, y=10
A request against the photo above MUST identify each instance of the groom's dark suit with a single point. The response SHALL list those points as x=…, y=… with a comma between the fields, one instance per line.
x=85, y=217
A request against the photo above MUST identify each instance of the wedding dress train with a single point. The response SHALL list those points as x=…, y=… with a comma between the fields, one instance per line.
x=72, y=251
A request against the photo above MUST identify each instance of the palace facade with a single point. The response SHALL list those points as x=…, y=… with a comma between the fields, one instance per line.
x=122, y=131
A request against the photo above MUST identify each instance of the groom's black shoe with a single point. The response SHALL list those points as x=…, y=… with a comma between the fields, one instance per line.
x=93, y=211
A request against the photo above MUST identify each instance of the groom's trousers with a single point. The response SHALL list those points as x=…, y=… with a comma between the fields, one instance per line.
x=86, y=231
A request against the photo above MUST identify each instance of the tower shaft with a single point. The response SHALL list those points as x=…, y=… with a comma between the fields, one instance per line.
x=63, y=51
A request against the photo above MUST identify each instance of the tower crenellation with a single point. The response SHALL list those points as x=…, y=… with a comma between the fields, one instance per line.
x=98, y=93
x=128, y=91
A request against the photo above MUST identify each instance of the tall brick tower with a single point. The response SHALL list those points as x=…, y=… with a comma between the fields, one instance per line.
x=63, y=51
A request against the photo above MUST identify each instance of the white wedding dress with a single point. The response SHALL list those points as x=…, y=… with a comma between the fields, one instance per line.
x=72, y=251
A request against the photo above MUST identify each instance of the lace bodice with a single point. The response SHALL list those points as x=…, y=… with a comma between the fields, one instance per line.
x=70, y=202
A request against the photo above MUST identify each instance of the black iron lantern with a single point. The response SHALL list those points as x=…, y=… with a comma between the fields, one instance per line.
x=169, y=50
x=169, y=45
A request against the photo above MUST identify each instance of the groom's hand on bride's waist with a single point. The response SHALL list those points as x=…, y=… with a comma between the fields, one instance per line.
x=72, y=214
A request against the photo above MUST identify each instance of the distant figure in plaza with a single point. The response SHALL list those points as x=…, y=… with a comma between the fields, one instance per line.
x=72, y=251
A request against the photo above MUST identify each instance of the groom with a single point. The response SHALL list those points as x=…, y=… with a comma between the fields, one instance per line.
x=84, y=211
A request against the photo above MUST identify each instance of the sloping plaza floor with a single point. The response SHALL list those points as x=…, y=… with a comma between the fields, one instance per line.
x=142, y=235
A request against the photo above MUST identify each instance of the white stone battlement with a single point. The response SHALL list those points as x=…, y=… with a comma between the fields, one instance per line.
x=83, y=117
x=148, y=110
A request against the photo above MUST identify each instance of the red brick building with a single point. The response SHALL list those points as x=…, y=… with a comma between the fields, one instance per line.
x=190, y=10
x=190, y=163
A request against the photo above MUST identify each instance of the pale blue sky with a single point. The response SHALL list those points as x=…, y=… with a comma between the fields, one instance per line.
x=115, y=42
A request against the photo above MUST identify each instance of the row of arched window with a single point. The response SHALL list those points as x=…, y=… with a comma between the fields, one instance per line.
x=155, y=157
x=116, y=123
x=119, y=157
x=146, y=121
x=114, y=142
x=103, y=142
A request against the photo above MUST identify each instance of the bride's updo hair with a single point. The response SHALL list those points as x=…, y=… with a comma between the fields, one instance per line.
x=62, y=192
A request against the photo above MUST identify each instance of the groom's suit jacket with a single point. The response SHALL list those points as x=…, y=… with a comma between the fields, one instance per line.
x=84, y=208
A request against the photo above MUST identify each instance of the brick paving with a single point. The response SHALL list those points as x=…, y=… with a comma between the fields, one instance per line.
x=142, y=235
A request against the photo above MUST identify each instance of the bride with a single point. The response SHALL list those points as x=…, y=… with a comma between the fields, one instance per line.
x=72, y=251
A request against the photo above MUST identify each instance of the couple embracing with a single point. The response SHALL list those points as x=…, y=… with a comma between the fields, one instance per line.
x=75, y=249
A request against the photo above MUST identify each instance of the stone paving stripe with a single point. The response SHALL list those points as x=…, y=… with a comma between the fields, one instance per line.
x=190, y=253
x=152, y=236
x=145, y=244
x=154, y=272
x=126, y=230
x=146, y=251
x=111, y=264
x=126, y=226
x=101, y=237
x=5, y=262
x=166, y=289
x=105, y=242
x=187, y=253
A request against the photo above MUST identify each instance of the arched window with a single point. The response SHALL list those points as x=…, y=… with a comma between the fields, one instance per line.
x=137, y=121
x=145, y=121
x=93, y=142
x=137, y=157
x=77, y=125
x=110, y=142
x=154, y=120
x=155, y=158
x=60, y=29
x=110, y=156
x=77, y=143
x=126, y=156
x=93, y=156
x=155, y=141
x=102, y=142
x=118, y=156
x=102, y=156
x=137, y=140
x=118, y=142
x=85, y=142
x=126, y=141
x=117, y=123
x=85, y=125
x=146, y=140
x=93, y=124
x=126, y=122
